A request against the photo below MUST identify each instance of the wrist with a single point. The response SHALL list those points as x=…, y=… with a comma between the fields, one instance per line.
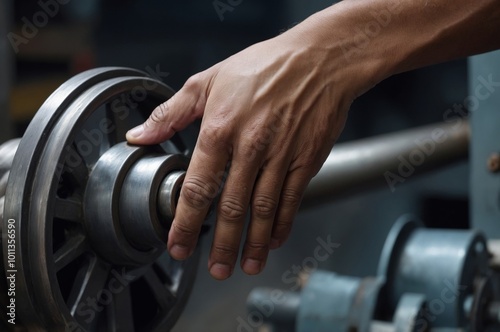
x=372, y=40
x=348, y=45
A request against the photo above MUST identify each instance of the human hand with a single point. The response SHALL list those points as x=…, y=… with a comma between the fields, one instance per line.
x=273, y=111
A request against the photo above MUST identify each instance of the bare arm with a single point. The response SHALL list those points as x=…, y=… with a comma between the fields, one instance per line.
x=275, y=109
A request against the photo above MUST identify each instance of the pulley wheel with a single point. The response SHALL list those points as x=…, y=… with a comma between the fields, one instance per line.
x=63, y=280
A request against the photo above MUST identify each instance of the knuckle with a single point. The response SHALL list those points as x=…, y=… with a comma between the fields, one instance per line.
x=231, y=208
x=250, y=147
x=264, y=206
x=159, y=114
x=282, y=229
x=257, y=247
x=308, y=160
x=185, y=232
x=214, y=138
x=291, y=198
x=198, y=193
x=193, y=83
x=224, y=252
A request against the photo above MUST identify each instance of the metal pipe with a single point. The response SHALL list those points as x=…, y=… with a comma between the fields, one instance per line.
x=387, y=160
x=272, y=306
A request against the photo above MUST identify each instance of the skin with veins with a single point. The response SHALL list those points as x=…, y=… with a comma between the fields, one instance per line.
x=274, y=111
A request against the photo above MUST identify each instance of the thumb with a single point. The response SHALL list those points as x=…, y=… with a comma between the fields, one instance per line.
x=172, y=116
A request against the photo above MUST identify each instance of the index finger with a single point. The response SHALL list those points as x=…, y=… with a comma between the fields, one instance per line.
x=201, y=186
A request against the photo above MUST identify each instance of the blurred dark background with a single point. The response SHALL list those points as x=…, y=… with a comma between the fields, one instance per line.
x=184, y=37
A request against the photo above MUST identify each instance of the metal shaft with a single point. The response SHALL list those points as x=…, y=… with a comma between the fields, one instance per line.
x=387, y=160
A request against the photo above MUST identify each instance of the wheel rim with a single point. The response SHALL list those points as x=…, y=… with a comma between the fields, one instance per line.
x=57, y=270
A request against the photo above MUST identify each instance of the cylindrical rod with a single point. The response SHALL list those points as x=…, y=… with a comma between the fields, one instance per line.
x=387, y=160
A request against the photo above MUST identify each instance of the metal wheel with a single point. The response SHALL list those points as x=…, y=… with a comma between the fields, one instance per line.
x=64, y=281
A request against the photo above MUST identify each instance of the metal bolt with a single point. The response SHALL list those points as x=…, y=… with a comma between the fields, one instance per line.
x=494, y=163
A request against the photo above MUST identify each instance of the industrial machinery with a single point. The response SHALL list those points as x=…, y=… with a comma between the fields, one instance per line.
x=438, y=280
x=427, y=280
x=85, y=215
x=85, y=219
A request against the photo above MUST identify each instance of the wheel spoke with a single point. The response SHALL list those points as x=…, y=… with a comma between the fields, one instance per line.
x=169, y=269
x=69, y=209
x=86, y=292
x=164, y=297
x=70, y=251
x=76, y=166
x=111, y=137
x=169, y=147
x=119, y=313
x=115, y=133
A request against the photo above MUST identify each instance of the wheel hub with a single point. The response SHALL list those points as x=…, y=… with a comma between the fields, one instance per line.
x=91, y=213
x=129, y=200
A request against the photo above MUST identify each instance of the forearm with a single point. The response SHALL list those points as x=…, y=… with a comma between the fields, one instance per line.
x=385, y=37
x=274, y=111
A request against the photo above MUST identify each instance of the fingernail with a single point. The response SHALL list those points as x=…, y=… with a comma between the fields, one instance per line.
x=252, y=266
x=275, y=244
x=179, y=252
x=136, y=132
x=221, y=271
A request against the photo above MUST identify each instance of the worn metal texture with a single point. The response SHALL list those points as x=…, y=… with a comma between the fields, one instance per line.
x=440, y=264
x=410, y=314
x=387, y=160
x=427, y=280
x=334, y=303
x=275, y=307
x=484, y=108
x=58, y=270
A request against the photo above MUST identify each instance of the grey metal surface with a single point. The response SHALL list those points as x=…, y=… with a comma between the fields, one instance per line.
x=20, y=185
x=7, y=153
x=443, y=265
x=101, y=207
x=169, y=194
x=274, y=307
x=410, y=315
x=387, y=160
x=485, y=127
x=140, y=200
x=44, y=197
x=334, y=303
x=428, y=280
